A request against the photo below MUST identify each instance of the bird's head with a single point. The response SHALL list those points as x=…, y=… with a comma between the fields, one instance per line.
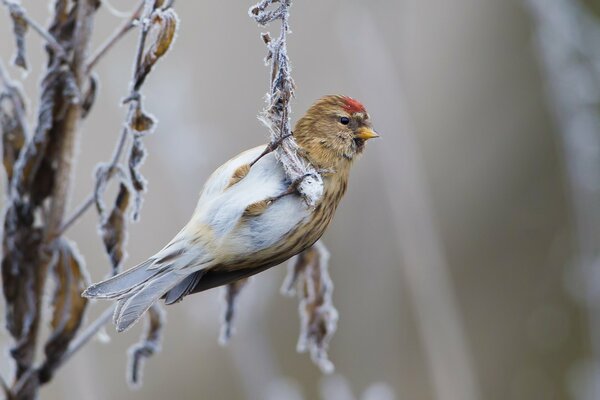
x=334, y=131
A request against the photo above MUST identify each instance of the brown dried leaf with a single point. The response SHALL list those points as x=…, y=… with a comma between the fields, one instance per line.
x=67, y=303
x=21, y=263
x=35, y=150
x=308, y=278
x=113, y=228
x=12, y=129
x=141, y=123
x=89, y=97
x=136, y=158
x=163, y=26
x=20, y=26
x=148, y=345
x=231, y=295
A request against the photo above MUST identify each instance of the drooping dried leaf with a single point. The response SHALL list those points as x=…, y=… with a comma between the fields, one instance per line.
x=113, y=228
x=68, y=305
x=90, y=96
x=35, y=150
x=103, y=174
x=308, y=278
x=163, y=27
x=148, y=345
x=19, y=28
x=102, y=177
x=21, y=267
x=136, y=158
x=12, y=130
x=231, y=294
x=140, y=122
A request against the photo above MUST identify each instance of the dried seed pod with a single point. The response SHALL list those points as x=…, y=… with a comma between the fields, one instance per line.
x=163, y=27
x=148, y=345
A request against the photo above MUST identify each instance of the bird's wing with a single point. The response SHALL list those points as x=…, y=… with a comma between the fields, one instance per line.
x=237, y=215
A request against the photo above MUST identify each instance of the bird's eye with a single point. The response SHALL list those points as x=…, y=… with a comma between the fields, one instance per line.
x=344, y=120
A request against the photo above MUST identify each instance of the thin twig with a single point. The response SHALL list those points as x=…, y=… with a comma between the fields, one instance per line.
x=148, y=5
x=76, y=215
x=89, y=202
x=115, y=37
x=87, y=334
x=58, y=49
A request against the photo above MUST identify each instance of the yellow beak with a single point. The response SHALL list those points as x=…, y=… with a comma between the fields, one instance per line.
x=366, y=134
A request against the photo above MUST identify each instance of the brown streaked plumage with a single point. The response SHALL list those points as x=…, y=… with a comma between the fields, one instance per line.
x=248, y=218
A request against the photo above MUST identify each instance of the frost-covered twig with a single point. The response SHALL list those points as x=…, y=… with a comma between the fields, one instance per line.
x=20, y=17
x=137, y=123
x=116, y=36
x=147, y=346
x=308, y=278
x=276, y=115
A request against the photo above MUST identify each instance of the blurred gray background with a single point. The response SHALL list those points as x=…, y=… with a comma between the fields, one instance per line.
x=453, y=252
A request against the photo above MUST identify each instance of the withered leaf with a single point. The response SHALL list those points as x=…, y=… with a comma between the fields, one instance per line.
x=308, y=278
x=231, y=296
x=141, y=123
x=163, y=26
x=20, y=26
x=136, y=158
x=12, y=129
x=148, y=345
x=113, y=228
x=68, y=305
x=102, y=177
x=89, y=97
x=21, y=264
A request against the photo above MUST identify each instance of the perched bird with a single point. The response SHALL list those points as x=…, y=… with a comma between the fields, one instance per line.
x=248, y=217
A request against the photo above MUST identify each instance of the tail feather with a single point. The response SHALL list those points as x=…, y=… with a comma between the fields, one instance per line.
x=183, y=288
x=131, y=308
x=122, y=283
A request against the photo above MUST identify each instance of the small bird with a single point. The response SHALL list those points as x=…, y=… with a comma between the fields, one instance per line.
x=249, y=217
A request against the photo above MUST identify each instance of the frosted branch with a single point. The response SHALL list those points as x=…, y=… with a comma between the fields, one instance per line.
x=308, y=278
x=276, y=115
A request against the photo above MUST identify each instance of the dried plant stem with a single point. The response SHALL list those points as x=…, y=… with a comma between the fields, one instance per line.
x=58, y=49
x=68, y=139
x=115, y=37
